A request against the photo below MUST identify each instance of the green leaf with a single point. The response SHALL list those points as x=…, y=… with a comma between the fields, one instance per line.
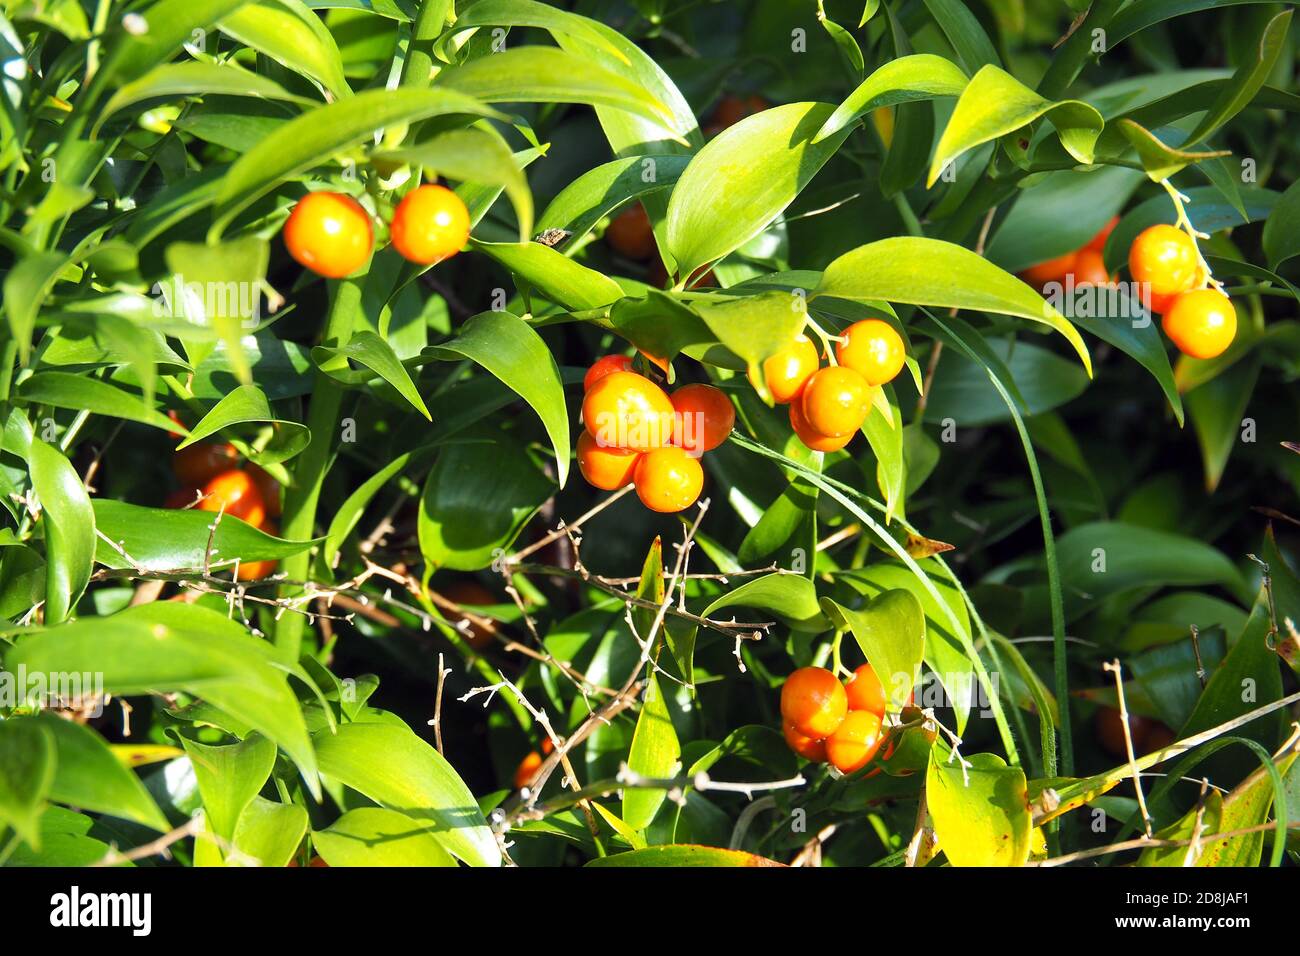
x=229, y=777
x=1281, y=238
x=683, y=854
x=473, y=156
x=373, y=836
x=655, y=752
x=368, y=349
x=1247, y=81
x=172, y=24
x=26, y=287
x=476, y=500
x=193, y=78
x=885, y=436
x=245, y=405
x=791, y=597
x=890, y=630
x=598, y=192
x=392, y=766
x=920, y=76
x=919, y=271
x=1248, y=806
x=1216, y=409
x=66, y=390
x=168, y=647
x=552, y=274
x=88, y=775
x=312, y=138
x=754, y=327
x=515, y=354
x=270, y=832
x=349, y=513
x=744, y=179
x=69, y=523
x=981, y=812
x=27, y=768
x=1159, y=159
x=995, y=104
x=1141, y=14
x=964, y=32
x=541, y=74
x=288, y=33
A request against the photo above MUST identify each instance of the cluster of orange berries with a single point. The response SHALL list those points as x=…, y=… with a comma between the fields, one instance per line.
x=828, y=405
x=211, y=480
x=828, y=722
x=636, y=433
x=1164, y=261
x=330, y=233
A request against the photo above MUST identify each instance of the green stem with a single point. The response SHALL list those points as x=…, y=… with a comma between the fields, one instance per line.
x=302, y=496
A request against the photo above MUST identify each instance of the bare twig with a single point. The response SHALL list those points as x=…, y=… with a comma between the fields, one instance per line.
x=1114, y=668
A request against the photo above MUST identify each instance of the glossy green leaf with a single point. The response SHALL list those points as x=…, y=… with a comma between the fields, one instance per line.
x=511, y=350
x=27, y=762
x=598, y=192
x=69, y=523
x=168, y=647
x=395, y=768
x=172, y=24
x=920, y=271
x=1281, y=238
x=270, y=832
x=368, y=349
x=995, y=104
x=66, y=390
x=554, y=276
x=980, y=812
x=791, y=597
x=920, y=76
x=964, y=32
x=229, y=777
x=1217, y=409
x=290, y=34
x=890, y=630
x=26, y=287
x=1248, y=79
x=248, y=405
x=656, y=752
x=373, y=836
x=744, y=179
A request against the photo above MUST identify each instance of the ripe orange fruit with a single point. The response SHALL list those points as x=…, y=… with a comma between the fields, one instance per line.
x=873, y=349
x=813, y=702
x=470, y=594
x=1158, y=304
x=269, y=487
x=626, y=410
x=1090, y=268
x=806, y=747
x=252, y=570
x=1053, y=270
x=603, y=366
x=865, y=691
x=430, y=224
x=1164, y=257
x=1202, y=323
x=731, y=109
x=198, y=463
x=788, y=371
x=812, y=438
x=704, y=419
x=631, y=234
x=329, y=233
x=1098, y=242
x=668, y=479
x=606, y=468
x=527, y=767
x=854, y=742
x=234, y=493
x=836, y=401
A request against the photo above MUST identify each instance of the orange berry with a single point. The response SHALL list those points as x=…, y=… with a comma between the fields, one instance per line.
x=198, y=463
x=329, y=233
x=813, y=702
x=812, y=438
x=234, y=493
x=788, y=370
x=603, y=366
x=704, y=419
x=252, y=570
x=866, y=692
x=854, y=742
x=626, y=410
x=1202, y=323
x=1164, y=257
x=606, y=468
x=668, y=479
x=731, y=109
x=836, y=401
x=1090, y=269
x=873, y=349
x=1098, y=242
x=1053, y=270
x=430, y=224
x=269, y=487
x=1158, y=304
x=470, y=594
x=806, y=747
x=527, y=767
x=630, y=233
